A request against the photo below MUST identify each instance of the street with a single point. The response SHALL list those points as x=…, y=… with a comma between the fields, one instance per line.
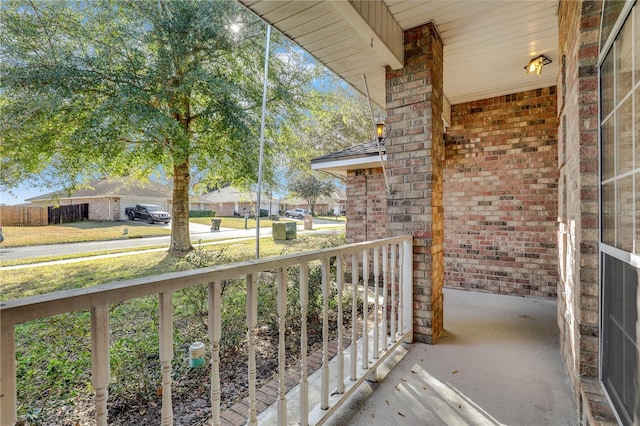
x=198, y=232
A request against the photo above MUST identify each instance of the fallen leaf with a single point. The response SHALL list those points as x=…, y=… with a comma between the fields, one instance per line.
x=404, y=379
x=454, y=372
x=401, y=414
x=387, y=401
x=397, y=388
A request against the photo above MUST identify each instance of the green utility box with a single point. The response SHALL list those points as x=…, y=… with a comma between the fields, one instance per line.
x=284, y=230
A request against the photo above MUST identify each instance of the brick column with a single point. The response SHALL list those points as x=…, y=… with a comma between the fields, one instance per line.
x=415, y=162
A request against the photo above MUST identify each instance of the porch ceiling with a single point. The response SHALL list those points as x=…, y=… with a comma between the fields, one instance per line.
x=487, y=43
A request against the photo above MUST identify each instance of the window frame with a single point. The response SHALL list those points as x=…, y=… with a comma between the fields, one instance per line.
x=630, y=258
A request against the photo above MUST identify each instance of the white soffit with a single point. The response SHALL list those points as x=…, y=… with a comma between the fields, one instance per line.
x=487, y=43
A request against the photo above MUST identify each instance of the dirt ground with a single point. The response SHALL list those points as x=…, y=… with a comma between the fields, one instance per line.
x=191, y=394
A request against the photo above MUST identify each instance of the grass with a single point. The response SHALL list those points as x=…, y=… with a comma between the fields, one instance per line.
x=53, y=356
x=236, y=222
x=42, y=259
x=19, y=236
x=333, y=218
x=49, y=278
x=53, y=359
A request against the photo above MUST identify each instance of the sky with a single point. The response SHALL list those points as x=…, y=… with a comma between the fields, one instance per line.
x=21, y=192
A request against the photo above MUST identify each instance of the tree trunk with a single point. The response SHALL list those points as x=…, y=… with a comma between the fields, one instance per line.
x=180, y=240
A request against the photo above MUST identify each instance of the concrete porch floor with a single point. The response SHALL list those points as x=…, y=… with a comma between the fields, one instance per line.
x=498, y=363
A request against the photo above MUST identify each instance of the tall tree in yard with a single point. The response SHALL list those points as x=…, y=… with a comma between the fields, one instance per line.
x=134, y=88
x=310, y=188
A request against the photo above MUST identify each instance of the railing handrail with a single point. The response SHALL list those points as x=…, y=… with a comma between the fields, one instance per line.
x=16, y=311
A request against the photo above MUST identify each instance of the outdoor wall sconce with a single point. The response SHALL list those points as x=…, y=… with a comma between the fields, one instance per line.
x=380, y=130
x=536, y=64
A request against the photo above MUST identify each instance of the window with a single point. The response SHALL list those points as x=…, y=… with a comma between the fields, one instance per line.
x=620, y=206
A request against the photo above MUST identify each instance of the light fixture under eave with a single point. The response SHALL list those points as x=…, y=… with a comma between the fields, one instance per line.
x=380, y=130
x=536, y=64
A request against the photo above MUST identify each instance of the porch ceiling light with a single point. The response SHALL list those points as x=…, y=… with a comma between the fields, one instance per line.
x=380, y=130
x=536, y=64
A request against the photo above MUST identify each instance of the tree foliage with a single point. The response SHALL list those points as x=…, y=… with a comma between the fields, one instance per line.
x=310, y=188
x=341, y=119
x=136, y=87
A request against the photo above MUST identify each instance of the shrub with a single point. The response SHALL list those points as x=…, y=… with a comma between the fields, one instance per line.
x=202, y=213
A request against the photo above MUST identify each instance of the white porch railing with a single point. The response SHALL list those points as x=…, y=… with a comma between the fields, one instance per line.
x=391, y=323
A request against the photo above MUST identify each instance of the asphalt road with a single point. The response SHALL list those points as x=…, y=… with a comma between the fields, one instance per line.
x=198, y=232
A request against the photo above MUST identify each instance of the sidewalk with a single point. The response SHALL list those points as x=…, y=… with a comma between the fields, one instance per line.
x=198, y=233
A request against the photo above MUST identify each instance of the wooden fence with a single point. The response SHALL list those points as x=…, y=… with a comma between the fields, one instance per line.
x=42, y=216
x=69, y=213
x=23, y=216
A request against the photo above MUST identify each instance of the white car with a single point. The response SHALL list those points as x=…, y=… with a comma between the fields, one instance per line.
x=299, y=213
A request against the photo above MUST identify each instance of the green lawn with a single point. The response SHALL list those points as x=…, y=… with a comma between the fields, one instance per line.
x=237, y=222
x=17, y=236
x=53, y=359
x=45, y=279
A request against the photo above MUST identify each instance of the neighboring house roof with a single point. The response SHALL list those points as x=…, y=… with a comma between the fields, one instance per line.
x=338, y=196
x=335, y=197
x=115, y=187
x=229, y=194
x=361, y=156
x=197, y=199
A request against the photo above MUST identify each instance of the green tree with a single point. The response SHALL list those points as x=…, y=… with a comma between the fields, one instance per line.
x=310, y=188
x=135, y=88
x=340, y=120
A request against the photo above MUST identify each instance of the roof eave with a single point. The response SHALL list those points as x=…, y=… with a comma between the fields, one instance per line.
x=341, y=166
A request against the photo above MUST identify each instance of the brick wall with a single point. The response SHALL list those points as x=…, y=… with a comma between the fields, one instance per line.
x=415, y=155
x=578, y=293
x=366, y=205
x=501, y=200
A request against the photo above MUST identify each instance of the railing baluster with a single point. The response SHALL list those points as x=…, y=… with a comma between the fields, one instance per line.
x=304, y=304
x=215, y=319
x=376, y=303
x=100, y=360
x=394, y=318
x=8, y=395
x=339, y=284
x=324, y=386
x=282, y=316
x=406, y=285
x=400, y=289
x=365, y=309
x=252, y=323
x=166, y=354
x=354, y=315
x=385, y=297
